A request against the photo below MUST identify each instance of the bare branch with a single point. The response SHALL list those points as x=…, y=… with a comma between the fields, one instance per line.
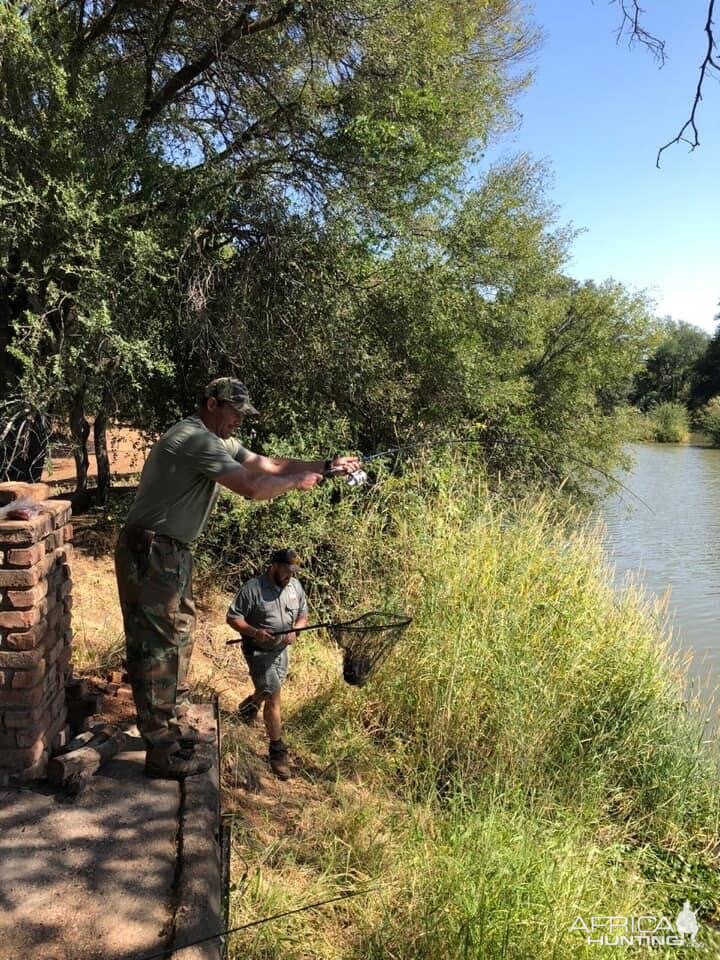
x=99, y=25
x=246, y=26
x=709, y=63
x=631, y=24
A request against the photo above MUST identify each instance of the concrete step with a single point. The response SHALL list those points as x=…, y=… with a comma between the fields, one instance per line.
x=128, y=868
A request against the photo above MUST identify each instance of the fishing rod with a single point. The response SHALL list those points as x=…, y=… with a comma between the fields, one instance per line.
x=360, y=478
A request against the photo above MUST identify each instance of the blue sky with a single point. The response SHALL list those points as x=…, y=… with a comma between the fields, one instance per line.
x=597, y=112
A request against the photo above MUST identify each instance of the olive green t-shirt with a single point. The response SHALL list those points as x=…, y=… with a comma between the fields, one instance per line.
x=177, y=486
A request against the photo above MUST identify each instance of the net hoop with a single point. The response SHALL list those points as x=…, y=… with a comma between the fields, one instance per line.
x=365, y=642
x=392, y=621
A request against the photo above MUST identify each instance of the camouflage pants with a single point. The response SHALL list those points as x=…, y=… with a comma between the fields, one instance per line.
x=155, y=587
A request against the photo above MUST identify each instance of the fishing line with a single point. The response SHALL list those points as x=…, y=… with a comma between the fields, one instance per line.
x=171, y=951
x=360, y=477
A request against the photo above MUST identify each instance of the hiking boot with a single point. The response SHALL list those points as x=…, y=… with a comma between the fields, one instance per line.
x=279, y=760
x=248, y=710
x=166, y=763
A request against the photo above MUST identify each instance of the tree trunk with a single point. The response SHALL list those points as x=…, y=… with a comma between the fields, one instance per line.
x=101, y=450
x=80, y=430
x=23, y=442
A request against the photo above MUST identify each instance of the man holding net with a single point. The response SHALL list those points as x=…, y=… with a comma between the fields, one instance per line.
x=178, y=488
x=265, y=612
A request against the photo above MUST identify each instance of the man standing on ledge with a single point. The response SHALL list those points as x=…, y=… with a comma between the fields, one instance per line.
x=262, y=608
x=178, y=489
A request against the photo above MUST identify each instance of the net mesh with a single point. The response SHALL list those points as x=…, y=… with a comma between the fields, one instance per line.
x=366, y=642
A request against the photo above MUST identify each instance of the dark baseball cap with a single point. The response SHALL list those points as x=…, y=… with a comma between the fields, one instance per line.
x=234, y=392
x=288, y=557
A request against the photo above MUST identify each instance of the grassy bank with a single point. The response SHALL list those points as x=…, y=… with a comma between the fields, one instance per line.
x=664, y=423
x=523, y=758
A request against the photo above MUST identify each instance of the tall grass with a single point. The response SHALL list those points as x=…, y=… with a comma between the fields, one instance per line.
x=638, y=425
x=524, y=663
x=526, y=751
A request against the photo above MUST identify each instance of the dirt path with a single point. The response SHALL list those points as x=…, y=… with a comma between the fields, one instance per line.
x=128, y=450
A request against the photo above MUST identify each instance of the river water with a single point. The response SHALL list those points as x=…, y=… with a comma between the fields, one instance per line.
x=673, y=544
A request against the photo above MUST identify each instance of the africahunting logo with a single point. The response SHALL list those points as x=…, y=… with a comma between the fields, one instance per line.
x=647, y=930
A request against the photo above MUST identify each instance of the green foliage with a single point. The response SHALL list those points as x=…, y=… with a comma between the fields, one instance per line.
x=637, y=426
x=291, y=210
x=468, y=320
x=126, y=179
x=669, y=372
x=708, y=420
x=707, y=372
x=671, y=423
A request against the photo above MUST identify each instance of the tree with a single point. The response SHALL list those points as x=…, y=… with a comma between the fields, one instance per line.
x=465, y=319
x=146, y=144
x=199, y=188
x=670, y=370
x=706, y=380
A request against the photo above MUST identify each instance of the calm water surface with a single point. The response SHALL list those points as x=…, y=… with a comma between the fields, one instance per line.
x=675, y=545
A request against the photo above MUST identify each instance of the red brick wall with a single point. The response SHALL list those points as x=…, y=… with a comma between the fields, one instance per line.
x=35, y=637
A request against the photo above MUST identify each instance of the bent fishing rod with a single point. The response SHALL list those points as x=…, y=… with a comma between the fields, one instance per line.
x=360, y=478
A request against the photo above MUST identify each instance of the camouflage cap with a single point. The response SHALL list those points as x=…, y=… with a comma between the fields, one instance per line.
x=234, y=392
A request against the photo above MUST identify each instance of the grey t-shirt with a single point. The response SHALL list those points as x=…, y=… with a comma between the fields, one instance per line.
x=263, y=604
x=177, y=486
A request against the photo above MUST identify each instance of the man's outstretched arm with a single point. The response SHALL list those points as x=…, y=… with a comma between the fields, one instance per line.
x=261, y=485
x=257, y=464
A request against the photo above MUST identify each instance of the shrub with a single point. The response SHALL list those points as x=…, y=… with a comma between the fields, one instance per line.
x=671, y=423
x=637, y=426
x=709, y=420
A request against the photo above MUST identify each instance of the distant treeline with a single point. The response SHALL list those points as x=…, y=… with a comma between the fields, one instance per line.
x=678, y=387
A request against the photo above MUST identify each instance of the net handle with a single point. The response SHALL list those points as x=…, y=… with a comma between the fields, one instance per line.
x=321, y=626
x=282, y=633
x=348, y=623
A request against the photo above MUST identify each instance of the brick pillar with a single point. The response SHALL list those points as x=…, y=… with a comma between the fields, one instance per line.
x=35, y=633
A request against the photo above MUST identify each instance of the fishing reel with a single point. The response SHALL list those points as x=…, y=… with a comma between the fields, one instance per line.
x=356, y=479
